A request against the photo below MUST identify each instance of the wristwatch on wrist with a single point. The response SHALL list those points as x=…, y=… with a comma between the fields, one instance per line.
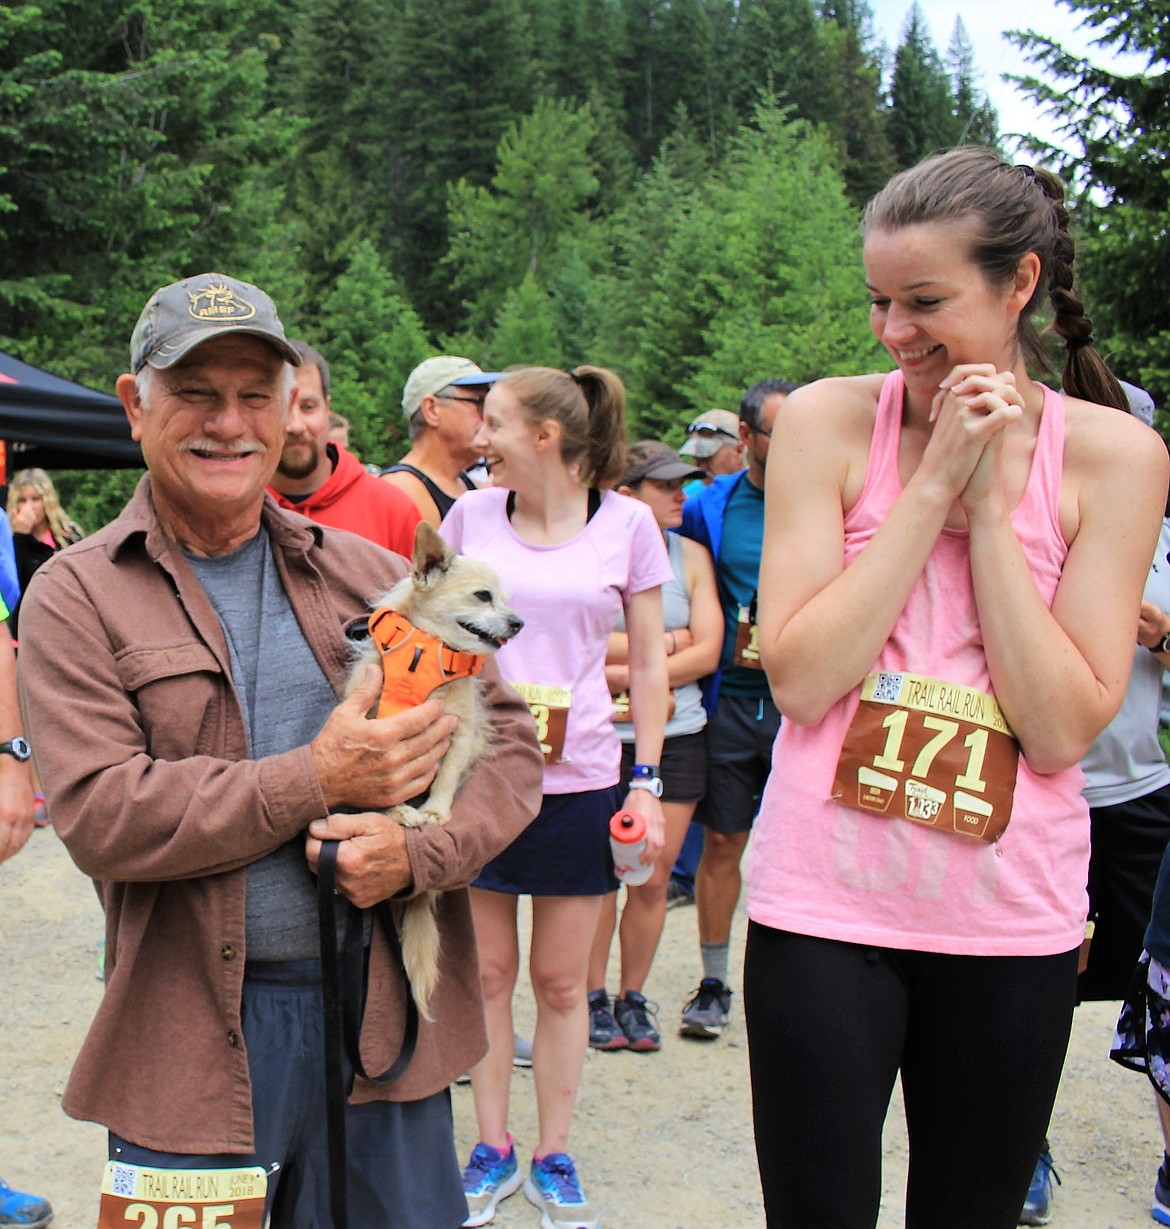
x=645, y=776
x=1163, y=645
x=16, y=747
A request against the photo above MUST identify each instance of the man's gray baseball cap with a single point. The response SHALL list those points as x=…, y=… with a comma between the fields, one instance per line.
x=1141, y=404
x=442, y=371
x=183, y=315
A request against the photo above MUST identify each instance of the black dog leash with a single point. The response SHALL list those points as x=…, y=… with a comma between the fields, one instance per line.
x=343, y=979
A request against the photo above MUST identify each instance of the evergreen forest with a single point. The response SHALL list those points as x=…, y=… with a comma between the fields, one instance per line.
x=668, y=187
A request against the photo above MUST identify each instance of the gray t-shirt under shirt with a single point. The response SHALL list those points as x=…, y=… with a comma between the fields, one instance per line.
x=285, y=698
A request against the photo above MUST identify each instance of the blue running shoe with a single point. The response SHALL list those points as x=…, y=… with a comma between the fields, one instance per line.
x=20, y=1208
x=491, y=1175
x=1160, y=1208
x=1038, y=1204
x=553, y=1187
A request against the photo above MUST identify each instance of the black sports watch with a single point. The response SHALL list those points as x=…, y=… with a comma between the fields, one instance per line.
x=16, y=747
x=1163, y=645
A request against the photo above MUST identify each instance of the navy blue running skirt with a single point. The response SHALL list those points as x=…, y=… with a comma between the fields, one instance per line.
x=563, y=852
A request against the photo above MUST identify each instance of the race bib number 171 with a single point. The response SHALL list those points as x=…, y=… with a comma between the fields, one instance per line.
x=929, y=751
x=148, y=1198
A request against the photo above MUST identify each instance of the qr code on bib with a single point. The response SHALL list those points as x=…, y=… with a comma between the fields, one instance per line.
x=887, y=688
x=122, y=1180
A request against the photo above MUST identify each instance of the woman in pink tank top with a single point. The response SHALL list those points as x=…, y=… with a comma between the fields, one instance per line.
x=953, y=563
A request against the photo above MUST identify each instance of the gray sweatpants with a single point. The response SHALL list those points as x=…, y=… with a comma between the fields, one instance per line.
x=403, y=1172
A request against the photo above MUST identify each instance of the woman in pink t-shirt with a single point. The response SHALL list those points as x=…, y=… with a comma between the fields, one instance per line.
x=573, y=556
x=953, y=562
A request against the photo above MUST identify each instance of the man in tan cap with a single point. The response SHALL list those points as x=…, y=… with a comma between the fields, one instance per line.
x=443, y=404
x=713, y=443
x=197, y=761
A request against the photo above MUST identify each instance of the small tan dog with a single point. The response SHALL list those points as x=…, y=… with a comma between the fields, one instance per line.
x=434, y=629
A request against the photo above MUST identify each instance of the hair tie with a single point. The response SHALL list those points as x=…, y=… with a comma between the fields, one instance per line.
x=1078, y=343
x=1027, y=171
x=574, y=377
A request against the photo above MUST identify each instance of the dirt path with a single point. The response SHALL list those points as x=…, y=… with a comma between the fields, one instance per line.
x=663, y=1140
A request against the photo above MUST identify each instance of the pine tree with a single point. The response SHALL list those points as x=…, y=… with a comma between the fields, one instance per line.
x=758, y=276
x=522, y=225
x=458, y=75
x=336, y=184
x=976, y=120
x=862, y=124
x=1116, y=132
x=525, y=332
x=921, y=107
x=130, y=140
x=640, y=70
x=636, y=236
x=373, y=339
x=566, y=36
x=677, y=52
x=782, y=50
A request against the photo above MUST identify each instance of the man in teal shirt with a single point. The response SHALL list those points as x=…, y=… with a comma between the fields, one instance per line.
x=728, y=518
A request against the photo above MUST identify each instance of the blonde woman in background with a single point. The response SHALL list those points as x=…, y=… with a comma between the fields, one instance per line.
x=40, y=526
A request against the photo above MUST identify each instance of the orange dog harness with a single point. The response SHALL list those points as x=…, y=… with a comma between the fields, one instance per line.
x=415, y=663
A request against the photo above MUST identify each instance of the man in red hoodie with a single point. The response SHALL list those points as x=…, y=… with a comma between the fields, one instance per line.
x=326, y=482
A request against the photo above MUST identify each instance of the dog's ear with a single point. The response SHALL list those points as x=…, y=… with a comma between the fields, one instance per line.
x=432, y=556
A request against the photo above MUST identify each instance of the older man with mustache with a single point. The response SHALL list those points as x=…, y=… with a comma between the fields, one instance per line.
x=195, y=758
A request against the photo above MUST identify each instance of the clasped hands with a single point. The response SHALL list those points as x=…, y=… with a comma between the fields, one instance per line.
x=969, y=413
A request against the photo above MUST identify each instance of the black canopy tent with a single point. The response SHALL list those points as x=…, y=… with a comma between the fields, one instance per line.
x=55, y=424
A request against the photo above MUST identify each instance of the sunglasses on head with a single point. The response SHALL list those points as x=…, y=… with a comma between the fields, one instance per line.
x=706, y=428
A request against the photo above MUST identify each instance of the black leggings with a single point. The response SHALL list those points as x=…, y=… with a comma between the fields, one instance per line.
x=979, y=1042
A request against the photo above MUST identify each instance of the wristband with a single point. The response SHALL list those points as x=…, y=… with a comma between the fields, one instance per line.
x=644, y=770
x=652, y=784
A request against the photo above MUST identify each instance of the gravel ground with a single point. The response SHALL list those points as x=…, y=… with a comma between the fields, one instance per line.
x=663, y=1141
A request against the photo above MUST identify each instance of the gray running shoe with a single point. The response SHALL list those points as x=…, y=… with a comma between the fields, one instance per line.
x=677, y=895
x=604, y=1031
x=521, y=1057
x=521, y=1051
x=637, y=1019
x=706, y=1014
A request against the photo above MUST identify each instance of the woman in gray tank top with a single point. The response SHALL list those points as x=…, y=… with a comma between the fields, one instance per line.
x=694, y=637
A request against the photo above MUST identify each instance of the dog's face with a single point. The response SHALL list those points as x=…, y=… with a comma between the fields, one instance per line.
x=457, y=599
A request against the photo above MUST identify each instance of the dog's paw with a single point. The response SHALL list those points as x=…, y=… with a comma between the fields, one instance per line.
x=430, y=816
x=408, y=816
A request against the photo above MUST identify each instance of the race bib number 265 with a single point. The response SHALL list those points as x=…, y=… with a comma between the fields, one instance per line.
x=929, y=751
x=148, y=1198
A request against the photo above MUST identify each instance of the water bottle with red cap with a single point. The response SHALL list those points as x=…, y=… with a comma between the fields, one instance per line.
x=627, y=842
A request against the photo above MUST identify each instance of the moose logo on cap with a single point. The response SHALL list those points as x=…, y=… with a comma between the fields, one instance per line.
x=217, y=301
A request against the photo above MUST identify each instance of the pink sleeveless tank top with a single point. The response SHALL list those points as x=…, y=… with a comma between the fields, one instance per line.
x=819, y=868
